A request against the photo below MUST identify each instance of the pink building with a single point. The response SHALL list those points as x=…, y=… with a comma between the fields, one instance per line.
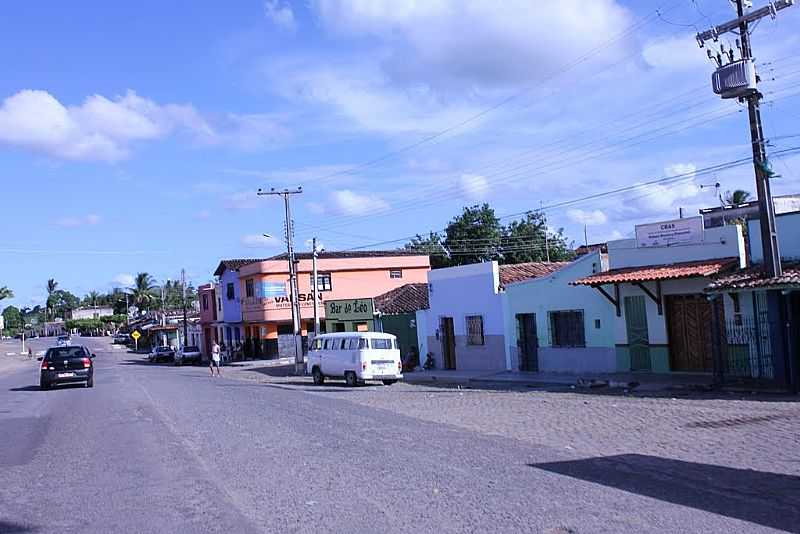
x=266, y=310
x=208, y=317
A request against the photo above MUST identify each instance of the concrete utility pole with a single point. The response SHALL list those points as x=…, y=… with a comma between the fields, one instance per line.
x=183, y=295
x=315, y=286
x=737, y=79
x=295, y=302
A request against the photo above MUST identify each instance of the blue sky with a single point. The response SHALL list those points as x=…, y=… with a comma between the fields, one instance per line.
x=133, y=135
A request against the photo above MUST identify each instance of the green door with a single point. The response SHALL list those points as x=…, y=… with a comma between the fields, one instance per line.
x=636, y=326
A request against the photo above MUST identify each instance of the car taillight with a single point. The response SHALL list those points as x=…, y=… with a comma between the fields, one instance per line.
x=86, y=362
x=363, y=366
x=399, y=365
x=44, y=364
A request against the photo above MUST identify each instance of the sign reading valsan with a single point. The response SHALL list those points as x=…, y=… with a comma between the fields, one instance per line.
x=349, y=310
x=676, y=232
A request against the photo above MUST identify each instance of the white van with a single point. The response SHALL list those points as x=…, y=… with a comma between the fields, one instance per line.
x=355, y=356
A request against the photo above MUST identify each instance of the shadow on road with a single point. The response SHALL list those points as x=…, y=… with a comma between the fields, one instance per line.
x=16, y=528
x=768, y=499
x=54, y=387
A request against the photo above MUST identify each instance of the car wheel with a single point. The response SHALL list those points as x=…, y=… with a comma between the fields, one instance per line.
x=44, y=385
x=319, y=378
x=177, y=363
x=351, y=379
x=90, y=382
x=389, y=382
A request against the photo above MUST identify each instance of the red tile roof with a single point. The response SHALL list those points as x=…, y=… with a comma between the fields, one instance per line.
x=518, y=272
x=658, y=272
x=753, y=278
x=404, y=299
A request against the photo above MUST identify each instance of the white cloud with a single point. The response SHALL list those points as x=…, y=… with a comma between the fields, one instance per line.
x=477, y=41
x=473, y=186
x=103, y=129
x=675, y=54
x=593, y=217
x=74, y=222
x=346, y=202
x=259, y=241
x=316, y=208
x=280, y=13
x=123, y=280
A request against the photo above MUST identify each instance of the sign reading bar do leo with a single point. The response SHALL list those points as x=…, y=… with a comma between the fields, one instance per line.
x=677, y=232
x=349, y=310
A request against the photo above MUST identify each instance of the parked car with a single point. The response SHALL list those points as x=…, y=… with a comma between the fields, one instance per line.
x=356, y=357
x=63, y=341
x=64, y=365
x=188, y=354
x=159, y=354
x=121, y=339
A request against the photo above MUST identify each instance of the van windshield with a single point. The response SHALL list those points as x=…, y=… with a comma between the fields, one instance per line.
x=381, y=344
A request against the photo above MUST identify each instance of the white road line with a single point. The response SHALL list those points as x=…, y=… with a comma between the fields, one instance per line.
x=11, y=353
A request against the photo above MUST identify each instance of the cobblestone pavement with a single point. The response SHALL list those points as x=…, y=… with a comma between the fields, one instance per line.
x=743, y=431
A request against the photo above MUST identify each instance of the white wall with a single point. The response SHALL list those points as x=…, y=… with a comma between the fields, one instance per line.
x=788, y=227
x=422, y=334
x=722, y=242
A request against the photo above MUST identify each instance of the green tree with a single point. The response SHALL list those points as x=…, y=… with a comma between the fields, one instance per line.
x=12, y=317
x=143, y=296
x=92, y=299
x=433, y=246
x=525, y=240
x=739, y=196
x=474, y=236
x=6, y=293
x=61, y=302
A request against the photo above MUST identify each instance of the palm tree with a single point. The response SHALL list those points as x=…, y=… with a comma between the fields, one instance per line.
x=6, y=293
x=52, y=285
x=92, y=297
x=734, y=198
x=143, y=286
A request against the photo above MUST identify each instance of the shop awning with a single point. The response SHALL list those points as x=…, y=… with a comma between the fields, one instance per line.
x=652, y=273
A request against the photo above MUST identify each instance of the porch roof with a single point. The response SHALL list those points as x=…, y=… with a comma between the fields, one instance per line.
x=753, y=278
x=651, y=273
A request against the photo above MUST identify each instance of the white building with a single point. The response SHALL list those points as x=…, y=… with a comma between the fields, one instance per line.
x=92, y=313
x=656, y=285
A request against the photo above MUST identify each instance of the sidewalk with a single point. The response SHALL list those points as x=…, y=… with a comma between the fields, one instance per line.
x=637, y=381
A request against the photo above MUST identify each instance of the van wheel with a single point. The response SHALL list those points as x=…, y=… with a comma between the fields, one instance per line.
x=90, y=383
x=319, y=378
x=351, y=379
x=389, y=382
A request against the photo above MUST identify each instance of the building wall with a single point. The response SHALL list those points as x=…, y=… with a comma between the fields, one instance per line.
x=554, y=293
x=722, y=242
x=350, y=278
x=207, y=315
x=404, y=327
x=788, y=227
x=231, y=308
x=422, y=334
x=92, y=313
x=458, y=292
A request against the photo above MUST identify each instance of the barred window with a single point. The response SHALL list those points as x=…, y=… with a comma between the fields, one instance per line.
x=323, y=281
x=249, y=290
x=396, y=273
x=566, y=328
x=229, y=292
x=475, y=330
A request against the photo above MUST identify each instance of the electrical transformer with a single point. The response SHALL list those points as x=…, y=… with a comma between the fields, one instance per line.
x=735, y=80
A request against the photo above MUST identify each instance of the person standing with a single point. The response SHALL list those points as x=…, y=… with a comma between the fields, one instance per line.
x=215, y=359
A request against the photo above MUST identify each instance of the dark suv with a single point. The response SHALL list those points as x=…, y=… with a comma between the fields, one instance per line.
x=64, y=365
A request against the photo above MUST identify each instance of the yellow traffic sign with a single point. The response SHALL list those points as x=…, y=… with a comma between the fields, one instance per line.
x=136, y=335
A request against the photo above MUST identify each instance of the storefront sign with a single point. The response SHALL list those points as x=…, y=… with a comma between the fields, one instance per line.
x=677, y=232
x=349, y=310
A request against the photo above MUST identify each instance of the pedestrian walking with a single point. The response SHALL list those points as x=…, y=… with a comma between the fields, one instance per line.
x=30, y=353
x=215, y=359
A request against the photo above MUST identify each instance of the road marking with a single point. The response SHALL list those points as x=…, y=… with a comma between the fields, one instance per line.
x=11, y=353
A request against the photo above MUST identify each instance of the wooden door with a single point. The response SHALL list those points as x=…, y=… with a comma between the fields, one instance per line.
x=638, y=336
x=528, y=342
x=689, y=320
x=448, y=342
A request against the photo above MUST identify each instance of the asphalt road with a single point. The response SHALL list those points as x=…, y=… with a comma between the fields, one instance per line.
x=165, y=449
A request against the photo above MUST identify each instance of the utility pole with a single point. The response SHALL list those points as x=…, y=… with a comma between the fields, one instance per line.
x=315, y=287
x=183, y=295
x=546, y=238
x=738, y=79
x=293, y=293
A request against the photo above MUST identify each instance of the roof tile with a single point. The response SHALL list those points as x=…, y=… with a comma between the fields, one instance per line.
x=753, y=278
x=518, y=272
x=651, y=273
x=404, y=299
